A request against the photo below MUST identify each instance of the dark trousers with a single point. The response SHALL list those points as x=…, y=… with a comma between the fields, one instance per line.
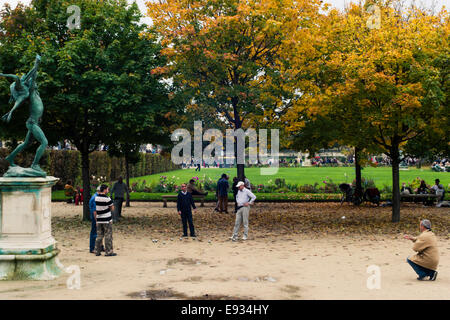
x=93, y=235
x=421, y=271
x=117, y=208
x=223, y=203
x=186, y=217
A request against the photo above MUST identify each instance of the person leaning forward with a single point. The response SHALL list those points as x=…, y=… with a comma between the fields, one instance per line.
x=222, y=193
x=244, y=199
x=426, y=261
x=103, y=216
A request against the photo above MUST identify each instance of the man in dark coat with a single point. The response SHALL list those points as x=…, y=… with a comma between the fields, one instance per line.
x=222, y=193
x=184, y=203
x=119, y=190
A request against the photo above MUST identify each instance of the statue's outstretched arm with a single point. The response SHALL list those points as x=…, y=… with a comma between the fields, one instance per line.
x=20, y=99
x=30, y=77
x=16, y=79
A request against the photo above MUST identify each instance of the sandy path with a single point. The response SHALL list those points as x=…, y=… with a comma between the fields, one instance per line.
x=268, y=266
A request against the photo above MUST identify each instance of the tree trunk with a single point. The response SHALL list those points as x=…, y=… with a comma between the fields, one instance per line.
x=358, y=172
x=86, y=183
x=127, y=179
x=395, y=157
x=238, y=125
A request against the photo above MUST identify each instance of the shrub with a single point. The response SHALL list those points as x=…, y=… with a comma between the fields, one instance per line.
x=308, y=188
x=329, y=186
x=282, y=190
x=280, y=183
x=66, y=165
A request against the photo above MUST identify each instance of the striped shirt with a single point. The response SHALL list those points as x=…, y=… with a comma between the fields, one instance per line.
x=103, y=205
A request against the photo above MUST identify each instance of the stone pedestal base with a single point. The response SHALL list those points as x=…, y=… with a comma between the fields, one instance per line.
x=27, y=248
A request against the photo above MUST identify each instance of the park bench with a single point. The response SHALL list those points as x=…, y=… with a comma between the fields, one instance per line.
x=418, y=196
x=174, y=196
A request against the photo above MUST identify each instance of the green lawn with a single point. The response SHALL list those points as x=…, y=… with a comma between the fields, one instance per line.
x=308, y=175
x=305, y=175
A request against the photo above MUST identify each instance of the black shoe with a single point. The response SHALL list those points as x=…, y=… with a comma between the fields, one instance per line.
x=193, y=236
x=111, y=254
x=184, y=235
x=98, y=254
x=91, y=251
x=103, y=249
x=434, y=276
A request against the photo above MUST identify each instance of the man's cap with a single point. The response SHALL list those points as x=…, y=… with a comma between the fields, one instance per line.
x=240, y=183
x=426, y=223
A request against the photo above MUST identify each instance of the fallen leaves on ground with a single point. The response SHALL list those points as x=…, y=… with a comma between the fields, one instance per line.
x=314, y=219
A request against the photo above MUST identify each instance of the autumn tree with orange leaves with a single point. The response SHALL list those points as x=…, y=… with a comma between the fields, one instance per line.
x=382, y=81
x=223, y=54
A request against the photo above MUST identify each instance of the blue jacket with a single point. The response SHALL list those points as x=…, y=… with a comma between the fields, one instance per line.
x=92, y=206
x=222, y=187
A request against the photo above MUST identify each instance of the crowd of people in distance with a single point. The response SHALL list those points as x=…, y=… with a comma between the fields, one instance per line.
x=441, y=165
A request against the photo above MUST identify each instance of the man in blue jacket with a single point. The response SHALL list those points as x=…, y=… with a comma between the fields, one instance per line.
x=222, y=193
x=184, y=204
x=93, y=235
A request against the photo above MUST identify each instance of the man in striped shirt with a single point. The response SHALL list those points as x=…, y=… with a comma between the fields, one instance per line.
x=103, y=216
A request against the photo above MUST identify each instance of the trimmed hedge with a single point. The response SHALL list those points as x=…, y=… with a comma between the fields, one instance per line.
x=66, y=165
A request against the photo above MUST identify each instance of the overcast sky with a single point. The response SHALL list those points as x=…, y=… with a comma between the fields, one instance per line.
x=336, y=3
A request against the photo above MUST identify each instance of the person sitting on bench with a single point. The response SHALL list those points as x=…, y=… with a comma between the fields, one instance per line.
x=192, y=189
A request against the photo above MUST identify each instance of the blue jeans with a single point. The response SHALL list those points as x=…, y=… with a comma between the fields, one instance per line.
x=421, y=271
x=93, y=235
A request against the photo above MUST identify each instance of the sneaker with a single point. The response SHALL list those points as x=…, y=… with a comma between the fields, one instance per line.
x=244, y=238
x=233, y=238
x=111, y=254
x=184, y=236
x=423, y=278
x=434, y=276
x=194, y=236
x=98, y=254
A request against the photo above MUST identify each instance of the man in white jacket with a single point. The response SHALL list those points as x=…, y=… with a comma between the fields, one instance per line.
x=244, y=199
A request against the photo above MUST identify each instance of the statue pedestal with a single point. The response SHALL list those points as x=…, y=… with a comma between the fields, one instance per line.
x=27, y=248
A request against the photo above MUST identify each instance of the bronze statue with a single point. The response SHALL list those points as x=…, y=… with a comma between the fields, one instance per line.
x=22, y=89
